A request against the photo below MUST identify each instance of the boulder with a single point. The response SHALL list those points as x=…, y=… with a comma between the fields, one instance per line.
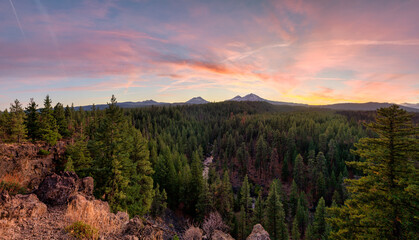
x=143, y=229
x=219, y=235
x=56, y=189
x=21, y=206
x=258, y=233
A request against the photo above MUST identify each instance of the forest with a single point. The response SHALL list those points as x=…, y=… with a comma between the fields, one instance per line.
x=302, y=172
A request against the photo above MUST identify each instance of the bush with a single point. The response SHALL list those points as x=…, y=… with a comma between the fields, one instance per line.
x=12, y=187
x=43, y=152
x=81, y=230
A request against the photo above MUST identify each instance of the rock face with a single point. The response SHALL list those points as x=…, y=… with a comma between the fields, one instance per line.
x=218, y=235
x=57, y=189
x=20, y=206
x=258, y=233
x=143, y=230
x=24, y=164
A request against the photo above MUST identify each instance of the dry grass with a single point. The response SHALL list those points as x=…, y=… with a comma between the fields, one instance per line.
x=95, y=213
x=12, y=178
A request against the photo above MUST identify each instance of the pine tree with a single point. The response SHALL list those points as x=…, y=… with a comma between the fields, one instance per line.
x=302, y=212
x=293, y=200
x=159, y=204
x=275, y=216
x=205, y=203
x=383, y=202
x=298, y=173
x=17, y=118
x=243, y=223
x=78, y=156
x=197, y=181
x=140, y=190
x=245, y=200
x=295, y=231
x=32, y=120
x=258, y=212
x=59, y=115
x=111, y=151
x=48, y=128
x=319, y=224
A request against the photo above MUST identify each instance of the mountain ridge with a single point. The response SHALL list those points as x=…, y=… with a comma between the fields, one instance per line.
x=251, y=97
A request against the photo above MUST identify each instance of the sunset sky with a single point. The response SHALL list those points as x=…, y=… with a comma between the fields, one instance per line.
x=313, y=52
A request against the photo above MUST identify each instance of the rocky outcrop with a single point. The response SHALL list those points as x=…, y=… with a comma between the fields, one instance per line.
x=26, y=164
x=219, y=235
x=20, y=206
x=56, y=189
x=143, y=229
x=258, y=233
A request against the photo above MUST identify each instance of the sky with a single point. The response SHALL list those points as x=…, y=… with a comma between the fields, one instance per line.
x=315, y=52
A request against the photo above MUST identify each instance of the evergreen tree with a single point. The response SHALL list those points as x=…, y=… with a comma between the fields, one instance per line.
x=285, y=171
x=205, y=202
x=295, y=231
x=17, y=118
x=243, y=232
x=59, y=115
x=258, y=212
x=140, y=190
x=298, y=173
x=293, y=200
x=383, y=202
x=159, y=204
x=245, y=200
x=78, y=157
x=32, y=120
x=275, y=216
x=302, y=212
x=197, y=181
x=48, y=128
x=111, y=151
x=319, y=224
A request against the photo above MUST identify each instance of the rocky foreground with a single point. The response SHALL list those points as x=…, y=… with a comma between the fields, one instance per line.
x=62, y=199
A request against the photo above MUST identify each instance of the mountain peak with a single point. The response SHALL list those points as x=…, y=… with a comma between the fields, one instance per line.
x=197, y=100
x=249, y=97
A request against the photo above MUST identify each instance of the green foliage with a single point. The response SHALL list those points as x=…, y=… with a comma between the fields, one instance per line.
x=121, y=167
x=245, y=200
x=43, y=152
x=275, y=216
x=159, y=204
x=81, y=230
x=383, y=203
x=18, y=129
x=48, y=128
x=295, y=232
x=258, y=212
x=32, y=120
x=78, y=157
x=12, y=188
x=319, y=224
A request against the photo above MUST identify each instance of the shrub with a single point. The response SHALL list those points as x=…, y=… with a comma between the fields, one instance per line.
x=214, y=222
x=193, y=233
x=81, y=230
x=43, y=152
x=12, y=187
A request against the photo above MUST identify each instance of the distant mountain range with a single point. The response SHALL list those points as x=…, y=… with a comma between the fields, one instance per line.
x=255, y=98
x=369, y=106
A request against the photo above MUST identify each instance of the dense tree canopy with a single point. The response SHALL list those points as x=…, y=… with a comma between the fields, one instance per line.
x=281, y=166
